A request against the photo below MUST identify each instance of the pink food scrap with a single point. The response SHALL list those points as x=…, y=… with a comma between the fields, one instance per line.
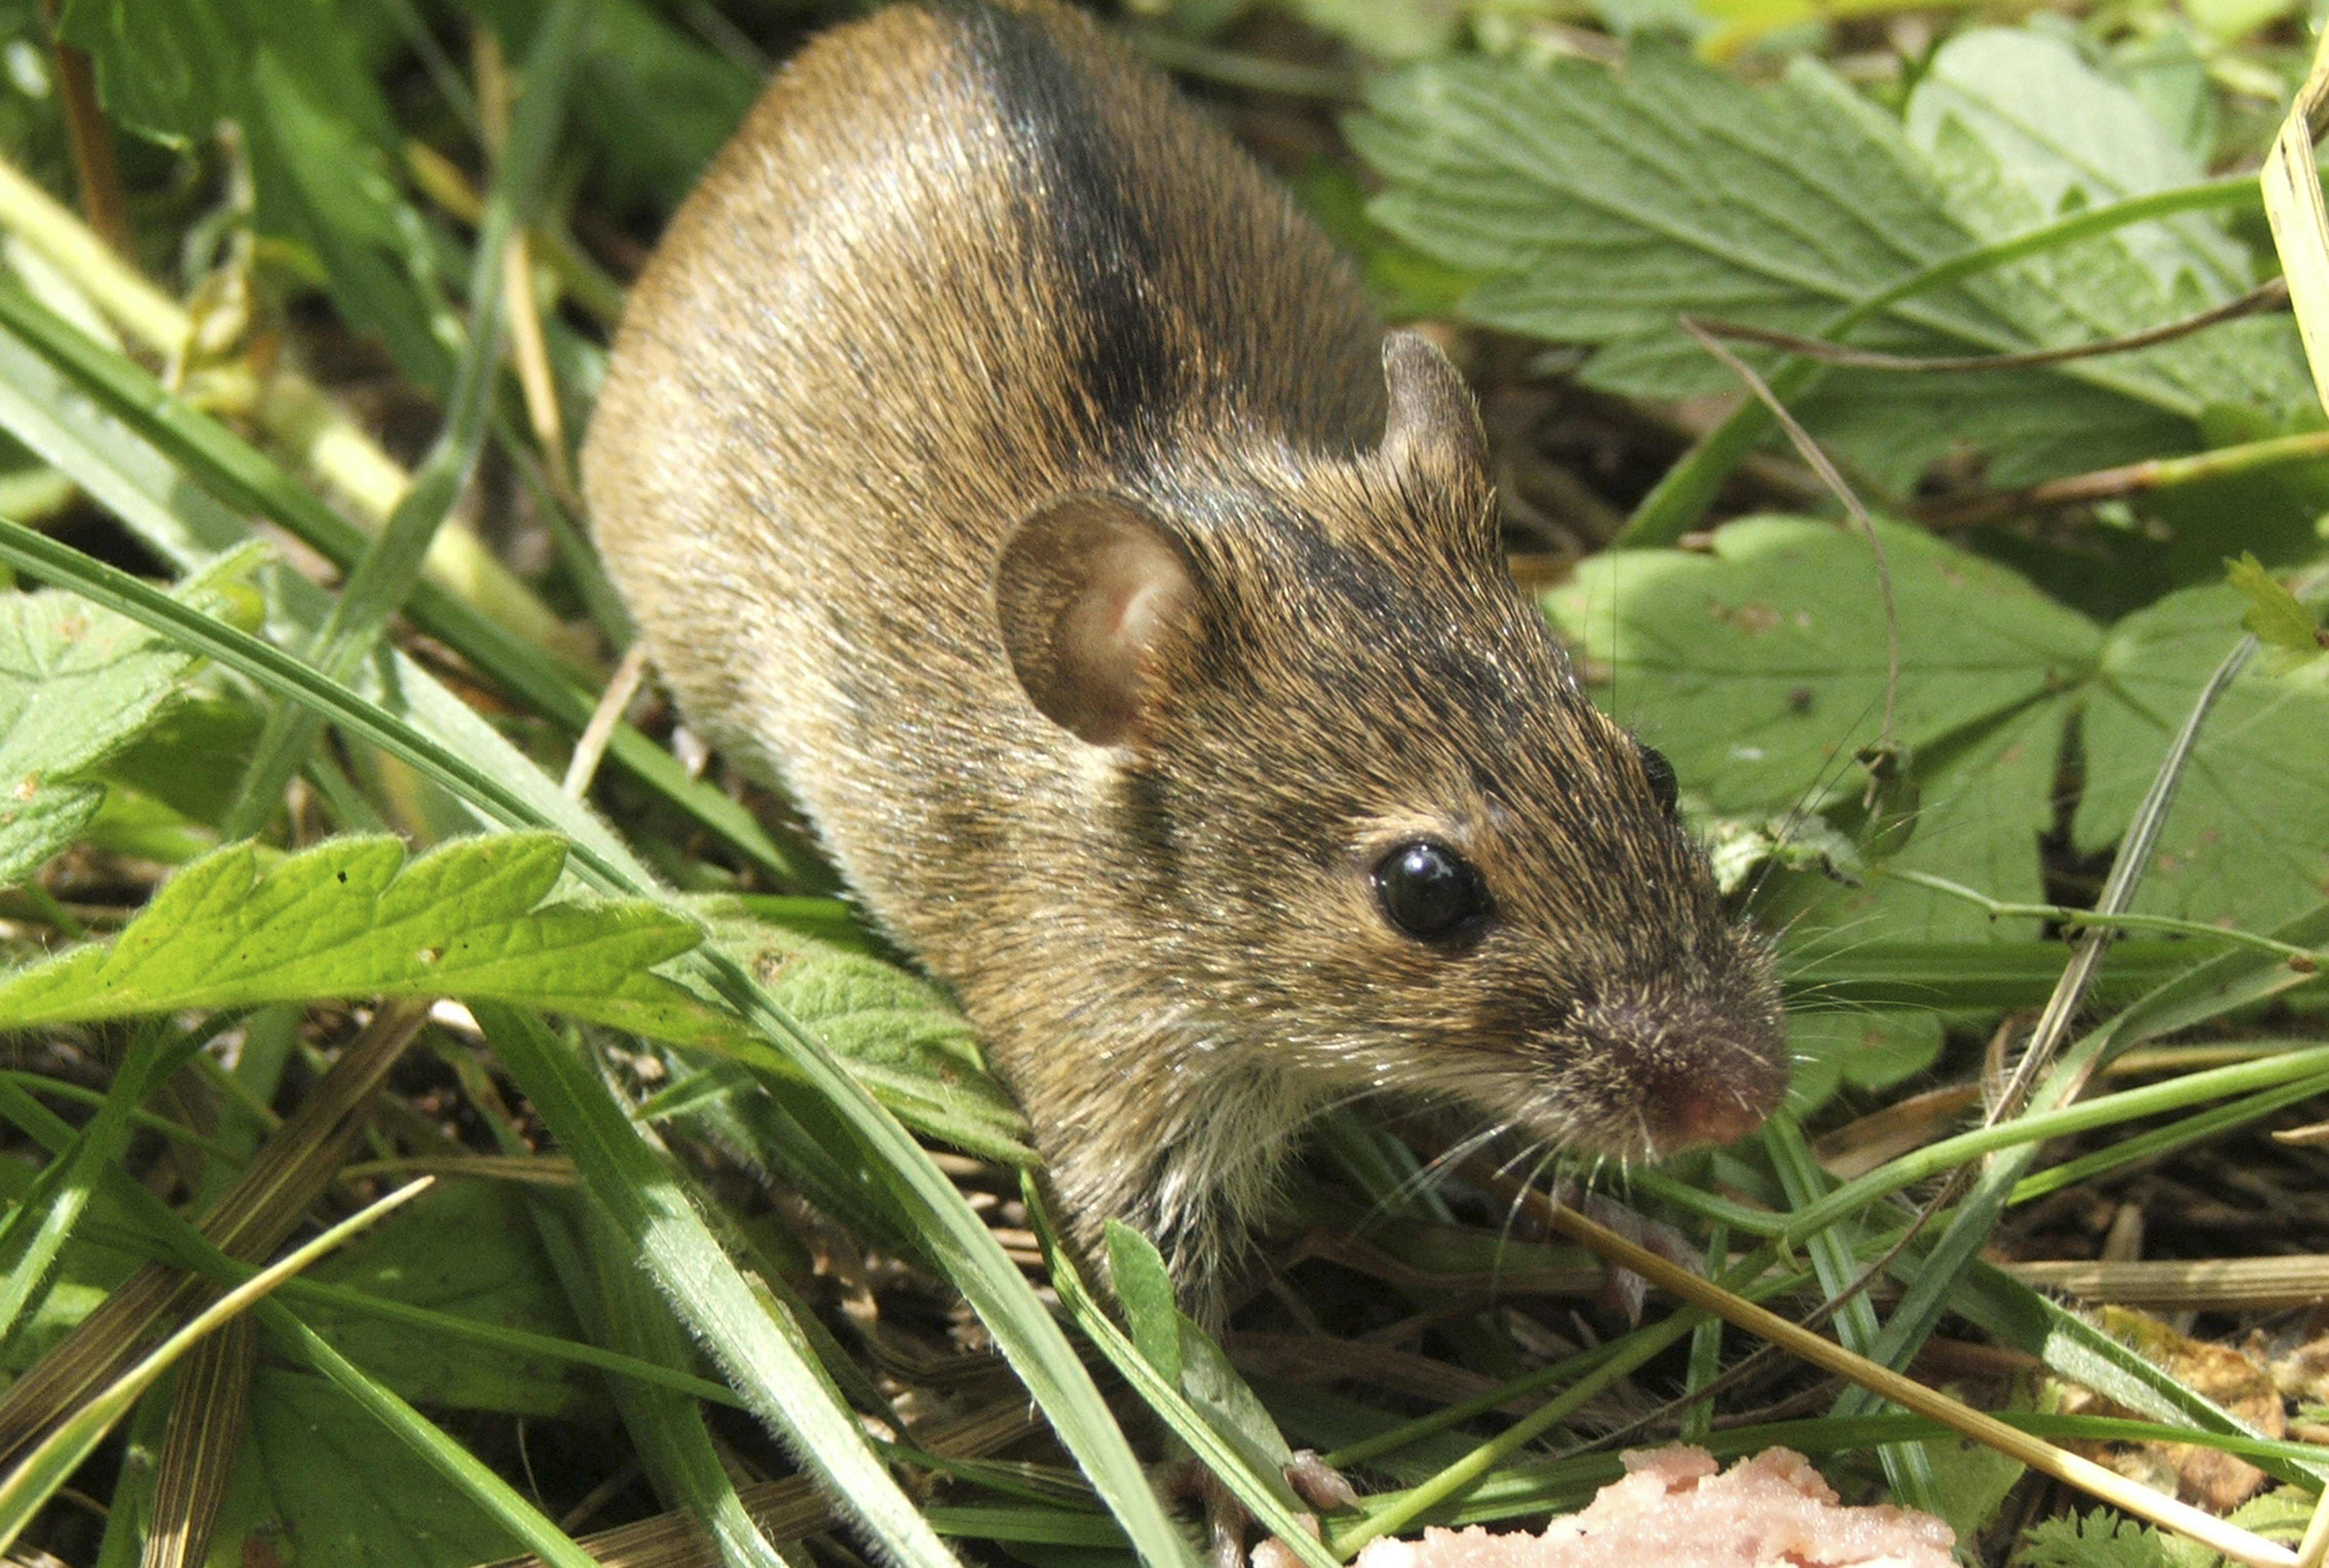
x=1673, y=1510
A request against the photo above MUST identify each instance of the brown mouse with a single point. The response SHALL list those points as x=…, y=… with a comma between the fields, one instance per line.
x=996, y=457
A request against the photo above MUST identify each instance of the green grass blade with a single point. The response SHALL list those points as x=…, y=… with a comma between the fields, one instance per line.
x=29, y=1487
x=385, y=579
x=115, y=432
x=636, y=1193
x=957, y=1240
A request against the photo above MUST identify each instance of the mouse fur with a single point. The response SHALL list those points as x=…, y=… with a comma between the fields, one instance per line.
x=996, y=457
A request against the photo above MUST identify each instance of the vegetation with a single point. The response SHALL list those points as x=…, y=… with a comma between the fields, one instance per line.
x=2010, y=724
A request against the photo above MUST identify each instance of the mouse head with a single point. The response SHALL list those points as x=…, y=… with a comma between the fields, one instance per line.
x=1360, y=819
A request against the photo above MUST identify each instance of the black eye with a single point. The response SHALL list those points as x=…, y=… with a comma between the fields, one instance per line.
x=1430, y=891
x=1662, y=778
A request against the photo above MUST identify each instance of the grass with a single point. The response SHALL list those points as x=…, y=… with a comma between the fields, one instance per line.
x=733, y=1246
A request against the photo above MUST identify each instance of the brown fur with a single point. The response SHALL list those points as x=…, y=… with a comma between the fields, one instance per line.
x=973, y=317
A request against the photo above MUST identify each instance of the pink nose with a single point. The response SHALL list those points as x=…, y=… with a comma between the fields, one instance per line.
x=1720, y=1113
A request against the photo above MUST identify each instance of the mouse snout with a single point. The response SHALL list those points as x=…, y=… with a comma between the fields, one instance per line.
x=1720, y=1113
x=1695, y=1073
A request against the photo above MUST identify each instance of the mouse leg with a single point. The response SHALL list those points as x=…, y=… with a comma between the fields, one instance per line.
x=1228, y=1525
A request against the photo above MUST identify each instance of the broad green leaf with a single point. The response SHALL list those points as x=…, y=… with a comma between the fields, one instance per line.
x=2248, y=838
x=314, y=1470
x=1598, y=204
x=467, y=1249
x=439, y=743
x=77, y=683
x=37, y=824
x=2021, y=132
x=190, y=757
x=2068, y=136
x=654, y=103
x=2274, y=613
x=1758, y=666
x=351, y=918
x=1758, y=669
x=1868, y=1050
x=173, y=68
x=2034, y=424
x=899, y=1036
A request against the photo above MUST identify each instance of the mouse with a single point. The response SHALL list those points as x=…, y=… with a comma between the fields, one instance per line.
x=994, y=457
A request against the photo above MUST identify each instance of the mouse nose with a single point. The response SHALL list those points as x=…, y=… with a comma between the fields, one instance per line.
x=1720, y=1113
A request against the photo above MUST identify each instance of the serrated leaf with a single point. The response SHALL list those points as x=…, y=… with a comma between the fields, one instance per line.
x=899, y=1036
x=2274, y=613
x=2100, y=1539
x=2247, y=840
x=2021, y=132
x=1600, y=203
x=1758, y=668
x=351, y=918
x=77, y=683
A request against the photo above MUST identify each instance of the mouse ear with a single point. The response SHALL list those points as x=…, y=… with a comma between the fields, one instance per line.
x=1089, y=590
x=1433, y=428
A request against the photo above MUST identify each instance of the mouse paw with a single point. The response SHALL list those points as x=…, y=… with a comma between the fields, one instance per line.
x=1228, y=1524
x=1625, y=1290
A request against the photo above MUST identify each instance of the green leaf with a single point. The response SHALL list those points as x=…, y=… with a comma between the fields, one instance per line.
x=322, y=184
x=1145, y=1289
x=37, y=824
x=1758, y=669
x=1407, y=31
x=2274, y=613
x=2034, y=424
x=77, y=683
x=1214, y=1389
x=1868, y=1050
x=190, y=757
x=899, y=1036
x=654, y=103
x=438, y=742
x=173, y=68
x=351, y=918
x=2021, y=131
x=2100, y=1539
x=467, y=1249
x=2247, y=840
x=313, y=1470
x=1186, y=1355
x=760, y=1349
x=1598, y=204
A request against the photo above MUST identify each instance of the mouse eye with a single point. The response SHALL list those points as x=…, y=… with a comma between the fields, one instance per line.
x=1430, y=891
x=1663, y=783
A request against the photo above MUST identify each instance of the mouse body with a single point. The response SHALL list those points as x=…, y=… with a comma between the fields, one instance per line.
x=996, y=457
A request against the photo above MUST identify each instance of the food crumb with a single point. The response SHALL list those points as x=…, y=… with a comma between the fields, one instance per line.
x=1675, y=1510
